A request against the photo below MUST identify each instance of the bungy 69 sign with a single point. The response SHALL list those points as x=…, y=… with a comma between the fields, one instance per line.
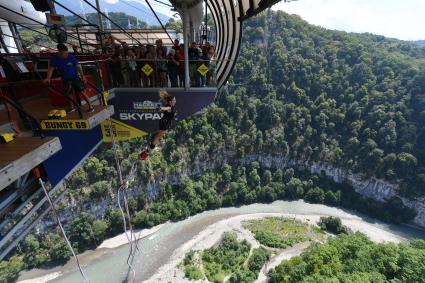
x=138, y=108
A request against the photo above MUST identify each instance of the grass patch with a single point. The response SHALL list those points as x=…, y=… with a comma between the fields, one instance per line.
x=279, y=232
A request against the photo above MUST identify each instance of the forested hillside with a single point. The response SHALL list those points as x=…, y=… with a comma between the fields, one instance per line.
x=354, y=101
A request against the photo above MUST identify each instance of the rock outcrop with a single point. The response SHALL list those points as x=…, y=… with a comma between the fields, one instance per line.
x=373, y=188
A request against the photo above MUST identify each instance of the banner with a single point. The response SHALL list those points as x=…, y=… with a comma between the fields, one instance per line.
x=122, y=132
x=138, y=108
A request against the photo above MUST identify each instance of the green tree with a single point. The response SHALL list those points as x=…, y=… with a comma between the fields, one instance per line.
x=315, y=195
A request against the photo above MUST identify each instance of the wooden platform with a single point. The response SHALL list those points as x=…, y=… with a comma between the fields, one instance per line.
x=39, y=107
x=23, y=154
x=74, y=122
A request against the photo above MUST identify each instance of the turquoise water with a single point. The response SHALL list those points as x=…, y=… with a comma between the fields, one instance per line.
x=109, y=265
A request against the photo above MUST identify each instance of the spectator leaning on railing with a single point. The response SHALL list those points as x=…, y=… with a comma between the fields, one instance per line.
x=168, y=69
x=150, y=59
x=211, y=75
x=132, y=69
x=193, y=65
x=173, y=67
x=205, y=59
x=115, y=69
x=161, y=68
x=181, y=66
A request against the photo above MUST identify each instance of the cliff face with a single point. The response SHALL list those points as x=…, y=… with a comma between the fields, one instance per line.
x=369, y=187
x=373, y=188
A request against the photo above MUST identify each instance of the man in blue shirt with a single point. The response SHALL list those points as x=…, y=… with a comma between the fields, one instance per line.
x=71, y=73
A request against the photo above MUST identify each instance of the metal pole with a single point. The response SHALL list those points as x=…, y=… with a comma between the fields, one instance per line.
x=15, y=35
x=3, y=43
x=206, y=21
x=100, y=16
x=186, y=26
x=79, y=39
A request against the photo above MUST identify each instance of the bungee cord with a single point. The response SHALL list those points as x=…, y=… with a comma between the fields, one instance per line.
x=123, y=190
x=37, y=173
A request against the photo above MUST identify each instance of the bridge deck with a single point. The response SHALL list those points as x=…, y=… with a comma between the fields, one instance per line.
x=22, y=154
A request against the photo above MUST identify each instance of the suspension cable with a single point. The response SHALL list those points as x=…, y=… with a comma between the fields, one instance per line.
x=31, y=19
x=27, y=41
x=146, y=13
x=75, y=14
x=156, y=16
x=163, y=3
x=72, y=12
x=37, y=173
x=103, y=14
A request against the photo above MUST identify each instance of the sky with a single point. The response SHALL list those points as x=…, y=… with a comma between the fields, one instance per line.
x=402, y=19
x=157, y=6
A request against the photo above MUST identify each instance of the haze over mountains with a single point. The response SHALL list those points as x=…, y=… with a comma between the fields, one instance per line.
x=420, y=42
x=130, y=7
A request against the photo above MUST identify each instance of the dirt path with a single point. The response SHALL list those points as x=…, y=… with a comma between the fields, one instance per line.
x=285, y=254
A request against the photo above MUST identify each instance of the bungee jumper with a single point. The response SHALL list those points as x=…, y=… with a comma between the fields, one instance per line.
x=168, y=116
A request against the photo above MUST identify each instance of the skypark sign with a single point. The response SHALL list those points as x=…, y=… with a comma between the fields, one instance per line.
x=139, y=107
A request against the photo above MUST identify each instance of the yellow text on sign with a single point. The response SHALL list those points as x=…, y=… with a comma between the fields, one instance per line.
x=121, y=131
x=65, y=125
x=147, y=69
x=203, y=70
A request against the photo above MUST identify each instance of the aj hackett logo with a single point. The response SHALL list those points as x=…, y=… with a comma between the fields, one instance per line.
x=146, y=105
x=142, y=111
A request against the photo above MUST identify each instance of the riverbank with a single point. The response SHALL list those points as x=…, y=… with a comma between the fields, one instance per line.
x=122, y=239
x=112, y=243
x=171, y=272
x=165, y=243
x=42, y=279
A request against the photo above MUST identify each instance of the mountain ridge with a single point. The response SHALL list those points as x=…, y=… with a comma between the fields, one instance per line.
x=132, y=8
x=419, y=42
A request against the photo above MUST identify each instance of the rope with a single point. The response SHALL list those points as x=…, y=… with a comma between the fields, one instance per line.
x=129, y=239
x=38, y=175
x=123, y=188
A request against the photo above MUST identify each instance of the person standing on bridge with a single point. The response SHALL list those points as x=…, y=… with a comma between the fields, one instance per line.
x=72, y=75
x=169, y=115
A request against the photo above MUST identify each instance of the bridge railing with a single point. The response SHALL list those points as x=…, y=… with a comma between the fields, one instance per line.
x=167, y=73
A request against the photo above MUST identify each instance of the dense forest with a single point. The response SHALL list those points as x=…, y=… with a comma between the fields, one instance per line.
x=354, y=258
x=354, y=101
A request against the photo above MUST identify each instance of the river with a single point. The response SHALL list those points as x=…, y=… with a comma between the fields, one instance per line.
x=109, y=265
